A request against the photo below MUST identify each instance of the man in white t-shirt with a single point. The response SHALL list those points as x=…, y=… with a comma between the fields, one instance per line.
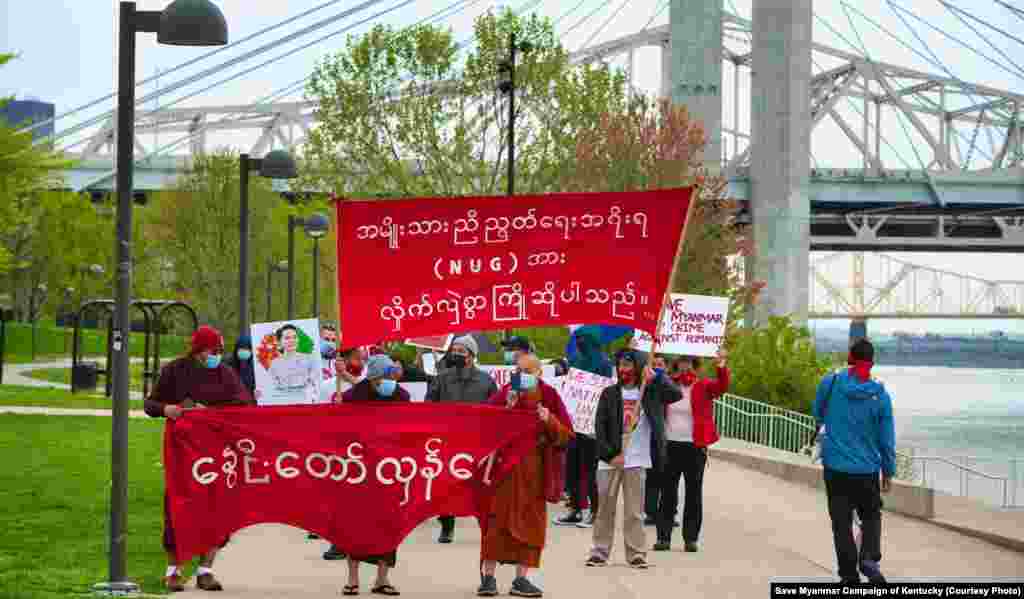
x=630, y=432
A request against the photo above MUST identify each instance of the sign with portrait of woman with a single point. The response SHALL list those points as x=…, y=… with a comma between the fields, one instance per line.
x=287, y=362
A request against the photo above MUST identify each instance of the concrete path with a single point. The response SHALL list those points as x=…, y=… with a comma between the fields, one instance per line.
x=16, y=374
x=755, y=528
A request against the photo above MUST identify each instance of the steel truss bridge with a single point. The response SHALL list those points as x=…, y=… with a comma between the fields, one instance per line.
x=962, y=195
x=874, y=285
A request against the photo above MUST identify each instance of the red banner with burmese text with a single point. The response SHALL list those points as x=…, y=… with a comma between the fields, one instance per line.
x=419, y=267
x=362, y=476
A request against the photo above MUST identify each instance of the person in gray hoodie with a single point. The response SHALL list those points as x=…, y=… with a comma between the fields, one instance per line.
x=858, y=445
x=460, y=381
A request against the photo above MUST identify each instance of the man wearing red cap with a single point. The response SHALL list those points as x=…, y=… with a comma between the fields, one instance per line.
x=197, y=380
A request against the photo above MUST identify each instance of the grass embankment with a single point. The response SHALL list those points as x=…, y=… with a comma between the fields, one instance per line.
x=13, y=395
x=54, y=343
x=55, y=489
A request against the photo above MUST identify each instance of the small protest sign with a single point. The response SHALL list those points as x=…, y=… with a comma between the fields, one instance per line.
x=693, y=325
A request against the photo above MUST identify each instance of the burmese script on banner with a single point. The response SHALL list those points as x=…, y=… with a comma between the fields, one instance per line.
x=454, y=265
x=385, y=467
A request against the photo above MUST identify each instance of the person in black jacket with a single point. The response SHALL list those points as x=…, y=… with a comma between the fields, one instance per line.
x=629, y=431
x=241, y=361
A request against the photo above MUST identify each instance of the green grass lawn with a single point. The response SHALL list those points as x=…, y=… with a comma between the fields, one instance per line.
x=54, y=343
x=55, y=493
x=63, y=375
x=13, y=395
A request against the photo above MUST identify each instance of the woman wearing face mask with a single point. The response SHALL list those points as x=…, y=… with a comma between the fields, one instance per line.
x=241, y=362
x=514, y=530
x=690, y=430
x=379, y=385
x=197, y=380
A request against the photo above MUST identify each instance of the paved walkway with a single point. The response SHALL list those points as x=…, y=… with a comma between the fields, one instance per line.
x=755, y=528
x=16, y=374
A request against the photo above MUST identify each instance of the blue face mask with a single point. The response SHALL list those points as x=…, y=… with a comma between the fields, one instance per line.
x=244, y=355
x=659, y=371
x=213, y=360
x=527, y=382
x=510, y=357
x=327, y=346
x=386, y=387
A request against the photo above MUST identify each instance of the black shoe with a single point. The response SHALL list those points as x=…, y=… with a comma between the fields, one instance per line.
x=488, y=587
x=691, y=547
x=446, y=537
x=649, y=521
x=312, y=536
x=872, y=572
x=663, y=546
x=333, y=554
x=522, y=587
x=675, y=525
x=570, y=519
x=850, y=581
x=596, y=562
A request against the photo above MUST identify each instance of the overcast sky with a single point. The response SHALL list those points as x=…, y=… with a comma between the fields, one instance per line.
x=67, y=54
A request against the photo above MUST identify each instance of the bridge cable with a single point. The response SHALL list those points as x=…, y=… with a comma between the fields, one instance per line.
x=227, y=64
x=183, y=65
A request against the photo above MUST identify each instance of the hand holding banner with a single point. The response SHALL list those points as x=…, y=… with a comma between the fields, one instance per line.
x=473, y=264
x=692, y=325
x=580, y=393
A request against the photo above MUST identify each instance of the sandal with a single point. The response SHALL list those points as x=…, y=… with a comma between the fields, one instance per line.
x=350, y=589
x=386, y=589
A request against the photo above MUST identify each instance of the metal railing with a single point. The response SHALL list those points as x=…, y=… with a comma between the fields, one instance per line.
x=764, y=424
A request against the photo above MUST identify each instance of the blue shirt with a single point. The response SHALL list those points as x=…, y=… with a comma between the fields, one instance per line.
x=860, y=434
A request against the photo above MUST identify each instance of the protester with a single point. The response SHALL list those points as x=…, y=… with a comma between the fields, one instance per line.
x=241, y=362
x=514, y=348
x=630, y=435
x=197, y=380
x=690, y=430
x=653, y=484
x=581, y=458
x=461, y=381
x=516, y=523
x=859, y=443
x=380, y=384
x=349, y=367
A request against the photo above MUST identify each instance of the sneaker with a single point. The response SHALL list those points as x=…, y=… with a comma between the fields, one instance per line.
x=333, y=554
x=522, y=587
x=691, y=547
x=663, y=546
x=596, y=562
x=206, y=582
x=588, y=521
x=872, y=572
x=488, y=587
x=850, y=581
x=446, y=537
x=570, y=519
x=650, y=521
x=312, y=536
x=638, y=562
x=174, y=584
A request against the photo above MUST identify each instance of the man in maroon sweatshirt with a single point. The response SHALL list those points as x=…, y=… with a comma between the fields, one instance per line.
x=198, y=380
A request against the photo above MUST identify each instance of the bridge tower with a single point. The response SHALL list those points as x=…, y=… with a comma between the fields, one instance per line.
x=780, y=131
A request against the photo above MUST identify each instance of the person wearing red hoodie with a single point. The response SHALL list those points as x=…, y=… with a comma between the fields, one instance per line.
x=690, y=430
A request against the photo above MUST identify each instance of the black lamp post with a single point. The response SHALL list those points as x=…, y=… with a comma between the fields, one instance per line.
x=182, y=23
x=275, y=165
x=507, y=85
x=316, y=226
x=272, y=267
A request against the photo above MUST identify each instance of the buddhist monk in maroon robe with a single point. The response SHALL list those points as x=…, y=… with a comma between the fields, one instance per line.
x=515, y=527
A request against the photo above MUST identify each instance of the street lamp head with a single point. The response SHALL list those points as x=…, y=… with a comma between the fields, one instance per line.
x=96, y=269
x=317, y=225
x=192, y=23
x=278, y=164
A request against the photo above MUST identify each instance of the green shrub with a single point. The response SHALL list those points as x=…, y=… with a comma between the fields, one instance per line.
x=777, y=364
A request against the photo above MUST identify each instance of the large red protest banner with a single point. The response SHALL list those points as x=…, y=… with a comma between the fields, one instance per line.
x=419, y=267
x=362, y=476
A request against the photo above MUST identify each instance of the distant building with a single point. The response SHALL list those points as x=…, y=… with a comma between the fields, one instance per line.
x=21, y=113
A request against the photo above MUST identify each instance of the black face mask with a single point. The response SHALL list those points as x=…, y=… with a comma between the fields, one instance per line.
x=455, y=361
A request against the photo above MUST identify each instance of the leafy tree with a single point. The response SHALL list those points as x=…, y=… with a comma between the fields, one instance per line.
x=394, y=98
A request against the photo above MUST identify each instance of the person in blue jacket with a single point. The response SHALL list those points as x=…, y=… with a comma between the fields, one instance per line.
x=858, y=448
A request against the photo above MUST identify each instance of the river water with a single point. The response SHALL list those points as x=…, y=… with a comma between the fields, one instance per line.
x=958, y=412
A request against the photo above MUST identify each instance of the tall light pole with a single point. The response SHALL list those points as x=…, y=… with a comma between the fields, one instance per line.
x=316, y=226
x=281, y=266
x=275, y=165
x=182, y=23
x=507, y=85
